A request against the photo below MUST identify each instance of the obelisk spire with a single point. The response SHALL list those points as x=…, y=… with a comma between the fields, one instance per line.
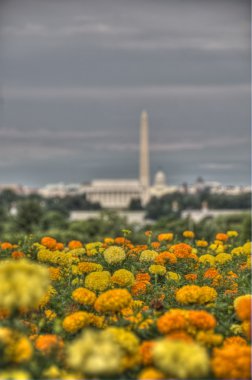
x=144, y=150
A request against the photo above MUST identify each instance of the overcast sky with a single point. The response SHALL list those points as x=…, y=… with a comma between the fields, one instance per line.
x=75, y=76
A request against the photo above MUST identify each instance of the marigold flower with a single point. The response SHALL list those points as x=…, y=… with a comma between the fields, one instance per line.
x=59, y=246
x=48, y=242
x=207, y=259
x=201, y=243
x=232, y=233
x=157, y=269
x=180, y=335
x=114, y=254
x=192, y=360
x=6, y=245
x=247, y=248
x=146, y=352
x=166, y=257
x=181, y=250
x=22, y=284
x=242, y=307
x=15, y=347
x=148, y=256
x=17, y=255
x=246, y=329
x=75, y=244
x=98, y=281
x=87, y=267
x=76, y=321
x=48, y=343
x=189, y=234
x=172, y=276
x=211, y=273
x=209, y=338
x=50, y=315
x=54, y=273
x=173, y=320
x=195, y=294
x=165, y=237
x=191, y=276
x=123, y=277
x=222, y=258
x=127, y=340
x=113, y=300
x=235, y=340
x=232, y=361
x=139, y=287
x=155, y=244
x=221, y=236
x=143, y=277
x=201, y=319
x=84, y=296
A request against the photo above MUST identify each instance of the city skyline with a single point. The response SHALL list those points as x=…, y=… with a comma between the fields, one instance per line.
x=74, y=79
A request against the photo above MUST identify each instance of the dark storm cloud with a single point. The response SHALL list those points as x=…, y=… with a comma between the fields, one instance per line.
x=75, y=76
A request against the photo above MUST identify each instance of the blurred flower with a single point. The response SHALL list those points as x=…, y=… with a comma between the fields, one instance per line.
x=242, y=306
x=75, y=244
x=123, y=277
x=189, y=234
x=114, y=254
x=172, y=276
x=195, y=294
x=76, y=321
x=84, y=296
x=98, y=280
x=157, y=269
x=148, y=256
x=113, y=300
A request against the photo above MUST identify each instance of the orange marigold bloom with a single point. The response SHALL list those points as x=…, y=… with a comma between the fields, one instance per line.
x=211, y=273
x=246, y=328
x=48, y=343
x=146, y=352
x=113, y=300
x=201, y=319
x=151, y=373
x=148, y=233
x=235, y=340
x=75, y=244
x=16, y=255
x=191, y=276
x=121, y=240
x=6, y=245
x=242, y=307
x=76, y=321
x=165, y=237
x=48, y=242
x=155, y=244
x=59, y=246
x=189, y=234
x=54, y=273
x=222, y=237
x=166, y=257
x=84, y=296
x=143, y=277
x=139, y=287
x=173, y=320
x=180, y=335
x=87, y=267
x=181, y=250
x=232, y=361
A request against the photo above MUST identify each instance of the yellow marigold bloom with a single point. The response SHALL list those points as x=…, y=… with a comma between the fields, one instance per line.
x=189, y=234
x=172, y=320
x=114, y=254
x=151, y=373
x=247, y=248
x=232, y=361
x=242, y=306
x=84, y=296
x=148, y=256
x=14, y=374
x=47, y=297
x=108, y=240
x=232, y=233
x=222, y=258
x=113, y=300
x=56, y=257
x=76, y=321
x=123, y=277
x=201, y=243
x=195, y=294
x=173, y=276
x=16, y=347
x=165, y=237
x=95, y=353
x=209, y=338
x=157, y=269
x=127, y=340
x=77, y=251
x=22, y=284
x=98, y=281
x=209, y=259
x=237, y=251
x=191, y=361
x=50, y=315
x=87, y=267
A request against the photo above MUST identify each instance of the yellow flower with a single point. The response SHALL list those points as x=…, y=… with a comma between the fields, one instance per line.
x=114, y=254
x=50, y=315
x=247, y=248
x=84, y=296
x=189, y=234
x=123, y=277
x=47, y=297
x=151, y=373
x=14, y=374
x=209, y=259
x=113, y=300
x=95, y=353
x=76, y=321
x=195, y=294
x=180, y=359
x=237, y=251
x=209, y=338
x=222, y=258
x=127, y=340
x=22, y=284
x=98, y=280
x=148, y=256
x=173, y=276
x=16, y=347
x=157, y=269
x=232, y=234
x=201, y=243
x=87, y=267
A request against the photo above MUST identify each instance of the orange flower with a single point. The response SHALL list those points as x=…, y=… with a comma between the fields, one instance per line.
x=143, y=277
x=173, y=320
x=49, y=242
x=48, y=343
x=165, y=257
x=54, y=273
x=242, y=307
x=201, y=319
x=59, y=246
x=113, y=300
x=165, y=237
x=146, y=352
x=235, y=340
x=180, y=335
x=73, y=244
x=121, y=240
x=16, y=255
x=191, y=276
x=211, y=273
x=155, y=244
x=181, y=250
x=222, y=237
x=148, y=233
x=139, y=287
x=6, y=245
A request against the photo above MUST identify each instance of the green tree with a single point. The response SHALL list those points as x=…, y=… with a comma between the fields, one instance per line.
x=29, y=215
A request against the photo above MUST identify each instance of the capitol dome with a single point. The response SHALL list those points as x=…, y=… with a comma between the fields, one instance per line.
x=160, y=179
